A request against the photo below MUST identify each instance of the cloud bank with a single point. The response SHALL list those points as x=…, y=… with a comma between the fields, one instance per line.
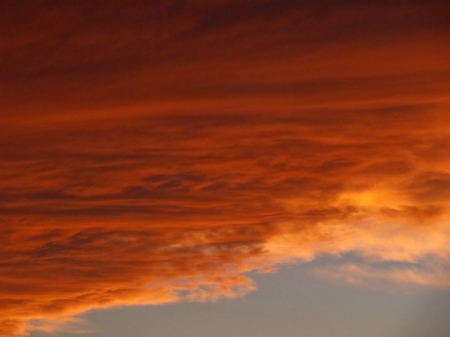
x=171, y=208
x=161, y=152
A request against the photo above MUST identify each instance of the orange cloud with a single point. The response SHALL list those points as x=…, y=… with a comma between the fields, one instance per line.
x=163, y=153
x=163, y=209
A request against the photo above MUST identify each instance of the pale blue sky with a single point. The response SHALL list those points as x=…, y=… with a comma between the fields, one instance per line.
x=290, y=303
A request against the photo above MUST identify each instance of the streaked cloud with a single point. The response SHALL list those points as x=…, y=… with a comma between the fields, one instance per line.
x=162, y=153
x=162, y=209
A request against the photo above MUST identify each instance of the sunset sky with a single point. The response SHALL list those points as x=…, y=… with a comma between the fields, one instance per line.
x=225, y=168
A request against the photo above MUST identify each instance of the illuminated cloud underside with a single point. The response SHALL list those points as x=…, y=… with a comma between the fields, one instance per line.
x=155, y=211
x=132, y=177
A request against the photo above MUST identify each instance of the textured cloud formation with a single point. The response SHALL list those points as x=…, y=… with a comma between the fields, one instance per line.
x=170, y=208
x=159, y=153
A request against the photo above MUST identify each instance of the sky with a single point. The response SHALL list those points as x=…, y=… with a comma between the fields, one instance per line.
x=225, y=168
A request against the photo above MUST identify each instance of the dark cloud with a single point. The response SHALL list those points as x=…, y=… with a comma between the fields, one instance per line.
x=432, y=187
x=61, y=55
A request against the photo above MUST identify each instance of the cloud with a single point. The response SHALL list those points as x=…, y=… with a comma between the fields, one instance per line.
x=393, y=279
x=161, y=153
x=153, y=210
x=96, y=57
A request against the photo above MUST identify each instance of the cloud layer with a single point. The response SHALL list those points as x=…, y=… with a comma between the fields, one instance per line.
x=160, y=153
x=170, y=208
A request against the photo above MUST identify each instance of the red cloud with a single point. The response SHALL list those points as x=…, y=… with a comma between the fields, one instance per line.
x=181, y=208
x=159, y=153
